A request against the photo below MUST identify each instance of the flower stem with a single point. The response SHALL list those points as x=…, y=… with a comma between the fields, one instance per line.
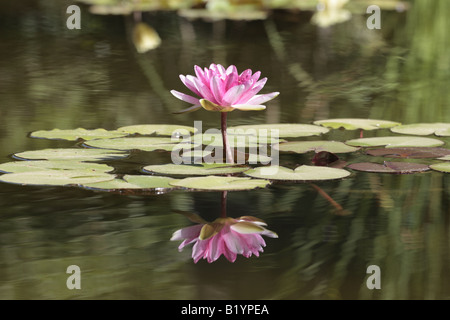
x=224, y=205
x=226, y=145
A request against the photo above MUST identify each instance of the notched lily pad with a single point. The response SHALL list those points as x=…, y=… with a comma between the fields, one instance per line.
x=390, y=167
x=140, y=143
x=412, y=153
x=217, y=183
x=442, y=167
x=203, y=169
x=424, y=129
x=395, y=142
x=80, y=154
x=55, y=177
x=40, y=165
x=284, y=130
x=76, y=134
x=135, y=182
x=316, y=146
x=356, y=123
x=158, y=129
x=302, y=173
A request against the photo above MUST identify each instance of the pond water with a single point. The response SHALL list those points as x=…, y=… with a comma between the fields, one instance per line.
x=53, y=77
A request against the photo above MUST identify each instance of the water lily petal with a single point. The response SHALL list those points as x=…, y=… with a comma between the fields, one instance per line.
x=233, y=94
x=249, y=107
x=252, y=90
x=187, y=81
x=231, y=81
x=262, y=98
x=190, y=109
x=216, y=89
x=185, y=97
x=211, y=106
x=232, y=70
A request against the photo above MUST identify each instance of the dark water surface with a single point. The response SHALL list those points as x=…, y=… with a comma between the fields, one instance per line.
x=52, y=77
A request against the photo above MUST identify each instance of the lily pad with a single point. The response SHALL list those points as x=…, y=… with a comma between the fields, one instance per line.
x=75, y=134
x=55, y=177
x=133, y=182
x=355, y=123
x=217, y=183
x=302, y=173
x=235, y=140
x=139, y=143
x=316, y=146
x=446, y=158
x=443, y=167
x=395, y=142
x=390, y=167
x=158, y=129
x=204, y=169
x=40, y=165
x=80, y=154
x=413, y=152
x=424, y=129
x=285, y=130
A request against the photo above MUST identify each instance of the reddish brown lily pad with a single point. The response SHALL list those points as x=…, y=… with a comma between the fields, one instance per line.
x=390, y=167
x=412, y=153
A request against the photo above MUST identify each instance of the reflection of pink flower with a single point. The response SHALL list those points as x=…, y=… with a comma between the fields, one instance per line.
x=227, y=236
x=220, y=89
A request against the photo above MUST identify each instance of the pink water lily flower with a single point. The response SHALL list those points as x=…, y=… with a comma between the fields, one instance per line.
x=227, y=236
x=220, y=89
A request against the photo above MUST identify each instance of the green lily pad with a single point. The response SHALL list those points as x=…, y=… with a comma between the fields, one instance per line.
x=285, y=130
x=302, y=173
x=389, y=167
x=217, y=183
x=133, y=182
x=446, y=158
x=395, y=142
x=316, y=146
x=424, y=129
x=75, y=134
x=55, y=177
x=413, y=152
x=355, y=123
x=204, y=169
x=80, y=154
x=139, y=143
x=234, y=140
x=158, y=129
x=40, y=165
x=443, y=167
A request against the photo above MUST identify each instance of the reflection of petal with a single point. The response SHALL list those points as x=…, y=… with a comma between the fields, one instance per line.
x=225, y=236
x=246, y=227
x=187, y=233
